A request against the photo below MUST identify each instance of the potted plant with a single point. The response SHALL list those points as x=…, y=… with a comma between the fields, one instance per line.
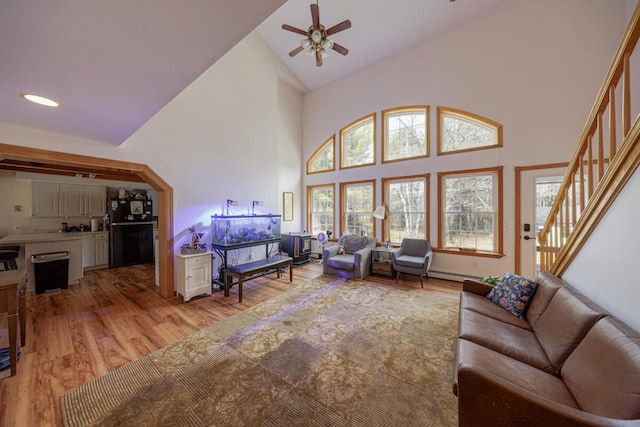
x=490, y=280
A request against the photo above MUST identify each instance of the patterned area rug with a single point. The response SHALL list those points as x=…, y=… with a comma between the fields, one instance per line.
x=330, y=352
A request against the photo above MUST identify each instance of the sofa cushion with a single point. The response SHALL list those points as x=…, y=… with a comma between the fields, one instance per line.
x=410, y=261
x=510, y=370
x=512, y=293
x=512, y=341
x=343, y=262
x=602, y=372
x=563, y=324
x=548, y=285
x=480, y=304
x=353, y=244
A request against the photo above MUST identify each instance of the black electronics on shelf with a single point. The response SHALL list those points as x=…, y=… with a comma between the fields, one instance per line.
x=297, y=245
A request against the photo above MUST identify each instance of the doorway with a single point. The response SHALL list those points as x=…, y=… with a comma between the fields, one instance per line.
x=536, y=189
x=16, y=158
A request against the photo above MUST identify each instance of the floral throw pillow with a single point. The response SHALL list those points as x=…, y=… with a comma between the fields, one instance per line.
x=513, y=293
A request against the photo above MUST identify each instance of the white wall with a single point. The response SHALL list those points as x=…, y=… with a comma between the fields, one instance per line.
x=605, y=269
x=534, y=66
x=290, y=153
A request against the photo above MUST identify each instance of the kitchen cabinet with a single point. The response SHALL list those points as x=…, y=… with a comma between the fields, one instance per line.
x=51, y=199
x=102, y=250
x=95, y=250
x=44, y=199
x=95, y=201
x=193, y=275
x=82, y=200
x=71, y=200
x=88, y=250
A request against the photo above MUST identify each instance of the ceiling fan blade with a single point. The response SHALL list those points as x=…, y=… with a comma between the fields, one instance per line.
x=294, y=29
x=340, y=49
x=318, y=58
x=315, y=15
x=344, y=25
x=296, y=51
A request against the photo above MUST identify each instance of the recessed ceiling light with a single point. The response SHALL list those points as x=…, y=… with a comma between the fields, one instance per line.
x=40, y=100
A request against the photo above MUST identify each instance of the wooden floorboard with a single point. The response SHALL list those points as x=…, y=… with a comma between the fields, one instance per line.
x=113, y=317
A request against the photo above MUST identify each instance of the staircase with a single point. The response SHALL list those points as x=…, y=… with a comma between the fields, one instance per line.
x=608, y=153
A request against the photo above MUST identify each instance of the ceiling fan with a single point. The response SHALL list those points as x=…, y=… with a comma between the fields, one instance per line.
x=316, y=41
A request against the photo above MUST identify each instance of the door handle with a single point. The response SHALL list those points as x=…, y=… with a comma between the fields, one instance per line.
x=529, y=238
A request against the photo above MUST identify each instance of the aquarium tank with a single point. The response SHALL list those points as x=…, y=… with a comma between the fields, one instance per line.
x=230, y=230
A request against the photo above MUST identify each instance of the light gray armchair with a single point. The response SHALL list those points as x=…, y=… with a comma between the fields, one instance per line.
x=355, y=263
x=414, y=256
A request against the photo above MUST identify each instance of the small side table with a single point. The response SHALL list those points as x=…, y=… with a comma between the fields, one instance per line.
x=381, y=262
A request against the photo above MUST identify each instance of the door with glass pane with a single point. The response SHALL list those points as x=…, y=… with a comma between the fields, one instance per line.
x=537, y=192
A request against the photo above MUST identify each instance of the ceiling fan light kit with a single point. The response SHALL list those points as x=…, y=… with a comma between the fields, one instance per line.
x=316, y=42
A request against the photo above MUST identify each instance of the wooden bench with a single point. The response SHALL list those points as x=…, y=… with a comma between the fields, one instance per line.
x=250, y=268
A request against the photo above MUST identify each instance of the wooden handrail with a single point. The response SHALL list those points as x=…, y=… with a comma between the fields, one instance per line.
x=600, y=166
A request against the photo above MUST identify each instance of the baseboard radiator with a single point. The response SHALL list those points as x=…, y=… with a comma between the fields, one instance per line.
x=456, y=277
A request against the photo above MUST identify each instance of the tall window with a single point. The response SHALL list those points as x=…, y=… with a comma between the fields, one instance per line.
x=471, y=210
x=407, y=201
x=323, y=160
x=357, y=207
x=405, y=133
x=358, y=143
x=462, y=131
x=320, y=208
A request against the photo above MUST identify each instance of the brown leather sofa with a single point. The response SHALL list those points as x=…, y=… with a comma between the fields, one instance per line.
x=565, y=362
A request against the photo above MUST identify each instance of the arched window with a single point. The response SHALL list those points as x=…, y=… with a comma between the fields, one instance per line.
x=324, y=159
x=358, y=143
x=463, y=131
x=405, y=133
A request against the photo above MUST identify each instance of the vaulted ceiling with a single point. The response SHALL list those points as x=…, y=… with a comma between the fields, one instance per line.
x=112, y=65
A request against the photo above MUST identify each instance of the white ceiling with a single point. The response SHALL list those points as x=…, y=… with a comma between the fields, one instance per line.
x=113, y=64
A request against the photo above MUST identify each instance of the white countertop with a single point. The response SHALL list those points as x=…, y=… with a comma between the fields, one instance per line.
x=45, y=237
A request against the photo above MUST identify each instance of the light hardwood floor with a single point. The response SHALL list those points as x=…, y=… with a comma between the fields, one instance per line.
x=115, y=316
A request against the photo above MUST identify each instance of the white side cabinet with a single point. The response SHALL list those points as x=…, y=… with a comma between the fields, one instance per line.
x=193, y=275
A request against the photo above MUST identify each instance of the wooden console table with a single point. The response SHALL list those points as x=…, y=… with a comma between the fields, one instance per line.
x=243, y=270
x=13, y=301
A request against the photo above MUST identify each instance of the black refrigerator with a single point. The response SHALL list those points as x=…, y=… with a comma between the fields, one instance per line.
x=130, y=232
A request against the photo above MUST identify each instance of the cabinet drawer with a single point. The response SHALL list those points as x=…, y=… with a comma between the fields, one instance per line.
x=381, y=267
x=197, y=261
